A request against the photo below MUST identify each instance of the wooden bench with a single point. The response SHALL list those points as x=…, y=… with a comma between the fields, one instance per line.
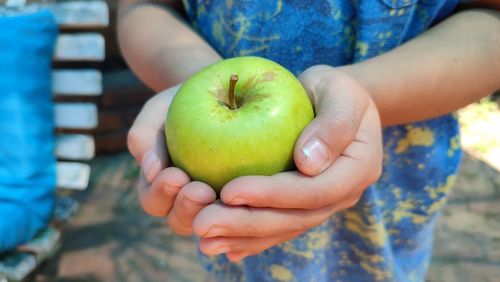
x=96, y=100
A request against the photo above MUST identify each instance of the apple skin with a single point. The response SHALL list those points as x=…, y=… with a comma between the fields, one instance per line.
x=215, y=144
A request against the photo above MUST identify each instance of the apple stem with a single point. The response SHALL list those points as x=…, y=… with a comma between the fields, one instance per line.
x=232, y=98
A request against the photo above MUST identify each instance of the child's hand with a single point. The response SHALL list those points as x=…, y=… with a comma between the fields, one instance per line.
x=164, y=191
x=338, y=155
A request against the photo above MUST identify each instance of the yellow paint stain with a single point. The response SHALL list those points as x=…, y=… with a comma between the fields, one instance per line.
x=397, y=193
x=393, y=231
x=416, y=136
x=392, y=12
x=376, y=272
x=401, y=12
x=238, y=28
x=454, y=145
x=406, y=205
x=281, y=273
x=420, y=214
x=372, y=232
x=362, y=48
x=217, y=33
x=398, y=215
x=405, y=209
x=201, y=11
x=246, y=52
x=455, y=142
x=444, y=189
x=337, y=14
x=279, y=7
x=229, y=4
x=288, y=247
x=364, y=256
x=419, y=219
x=421, y=166
x=318, y=240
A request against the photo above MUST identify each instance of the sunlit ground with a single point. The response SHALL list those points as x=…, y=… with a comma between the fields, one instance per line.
x=481, y=131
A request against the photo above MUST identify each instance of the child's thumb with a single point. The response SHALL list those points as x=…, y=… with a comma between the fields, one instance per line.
x=339, y=111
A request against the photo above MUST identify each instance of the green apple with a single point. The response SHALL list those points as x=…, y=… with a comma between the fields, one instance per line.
x=240, y=116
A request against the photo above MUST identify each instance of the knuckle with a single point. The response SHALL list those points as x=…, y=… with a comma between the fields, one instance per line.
x=177, y=227
x=132, y=138
x=318, y=199
x=152, y=211
x=346, y=123
x=341, y=127
x=250, y=228
x=303, y=223
x=189, y=206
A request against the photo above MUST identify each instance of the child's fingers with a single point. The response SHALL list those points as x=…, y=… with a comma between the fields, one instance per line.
x=146, y=138
x=345, y=177
x=241, y=221
x=237, y=248
x=242, y=236
x=192, y=198
x=157, y=198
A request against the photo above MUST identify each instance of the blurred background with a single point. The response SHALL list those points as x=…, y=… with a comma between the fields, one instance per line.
x=102, y=234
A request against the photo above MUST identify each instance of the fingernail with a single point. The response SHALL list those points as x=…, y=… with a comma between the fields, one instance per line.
x=316, y=154
x=238, y=200
x=221, y=250
x=189, y=203
x=149, y=160
x=213, y=232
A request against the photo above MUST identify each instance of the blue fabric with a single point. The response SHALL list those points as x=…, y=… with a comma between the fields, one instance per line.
x=27, y=161
x=388, y=235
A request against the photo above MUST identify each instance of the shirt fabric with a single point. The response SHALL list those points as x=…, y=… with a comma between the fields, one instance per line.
x=388, y=235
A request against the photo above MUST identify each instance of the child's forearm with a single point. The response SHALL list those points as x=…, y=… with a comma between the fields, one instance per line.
x=160, y=48
x=451, y=65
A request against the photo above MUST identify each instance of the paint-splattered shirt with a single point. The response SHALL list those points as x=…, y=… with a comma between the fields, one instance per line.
x=388, y=235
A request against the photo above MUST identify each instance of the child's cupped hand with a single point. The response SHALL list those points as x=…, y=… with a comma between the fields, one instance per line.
x=338, y=155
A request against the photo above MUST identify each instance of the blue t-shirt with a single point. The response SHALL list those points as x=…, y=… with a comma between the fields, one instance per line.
x=388, y=235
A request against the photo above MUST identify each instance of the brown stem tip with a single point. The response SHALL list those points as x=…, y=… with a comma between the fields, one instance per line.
x=232, y=98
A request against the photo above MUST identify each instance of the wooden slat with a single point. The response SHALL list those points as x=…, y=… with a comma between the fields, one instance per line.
x=73, y=175
x=76, y=115
x=75, y=147
x=43, y=245
x=17, y=266
x=84, y=82
x=81, y=14
x=80, y=47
